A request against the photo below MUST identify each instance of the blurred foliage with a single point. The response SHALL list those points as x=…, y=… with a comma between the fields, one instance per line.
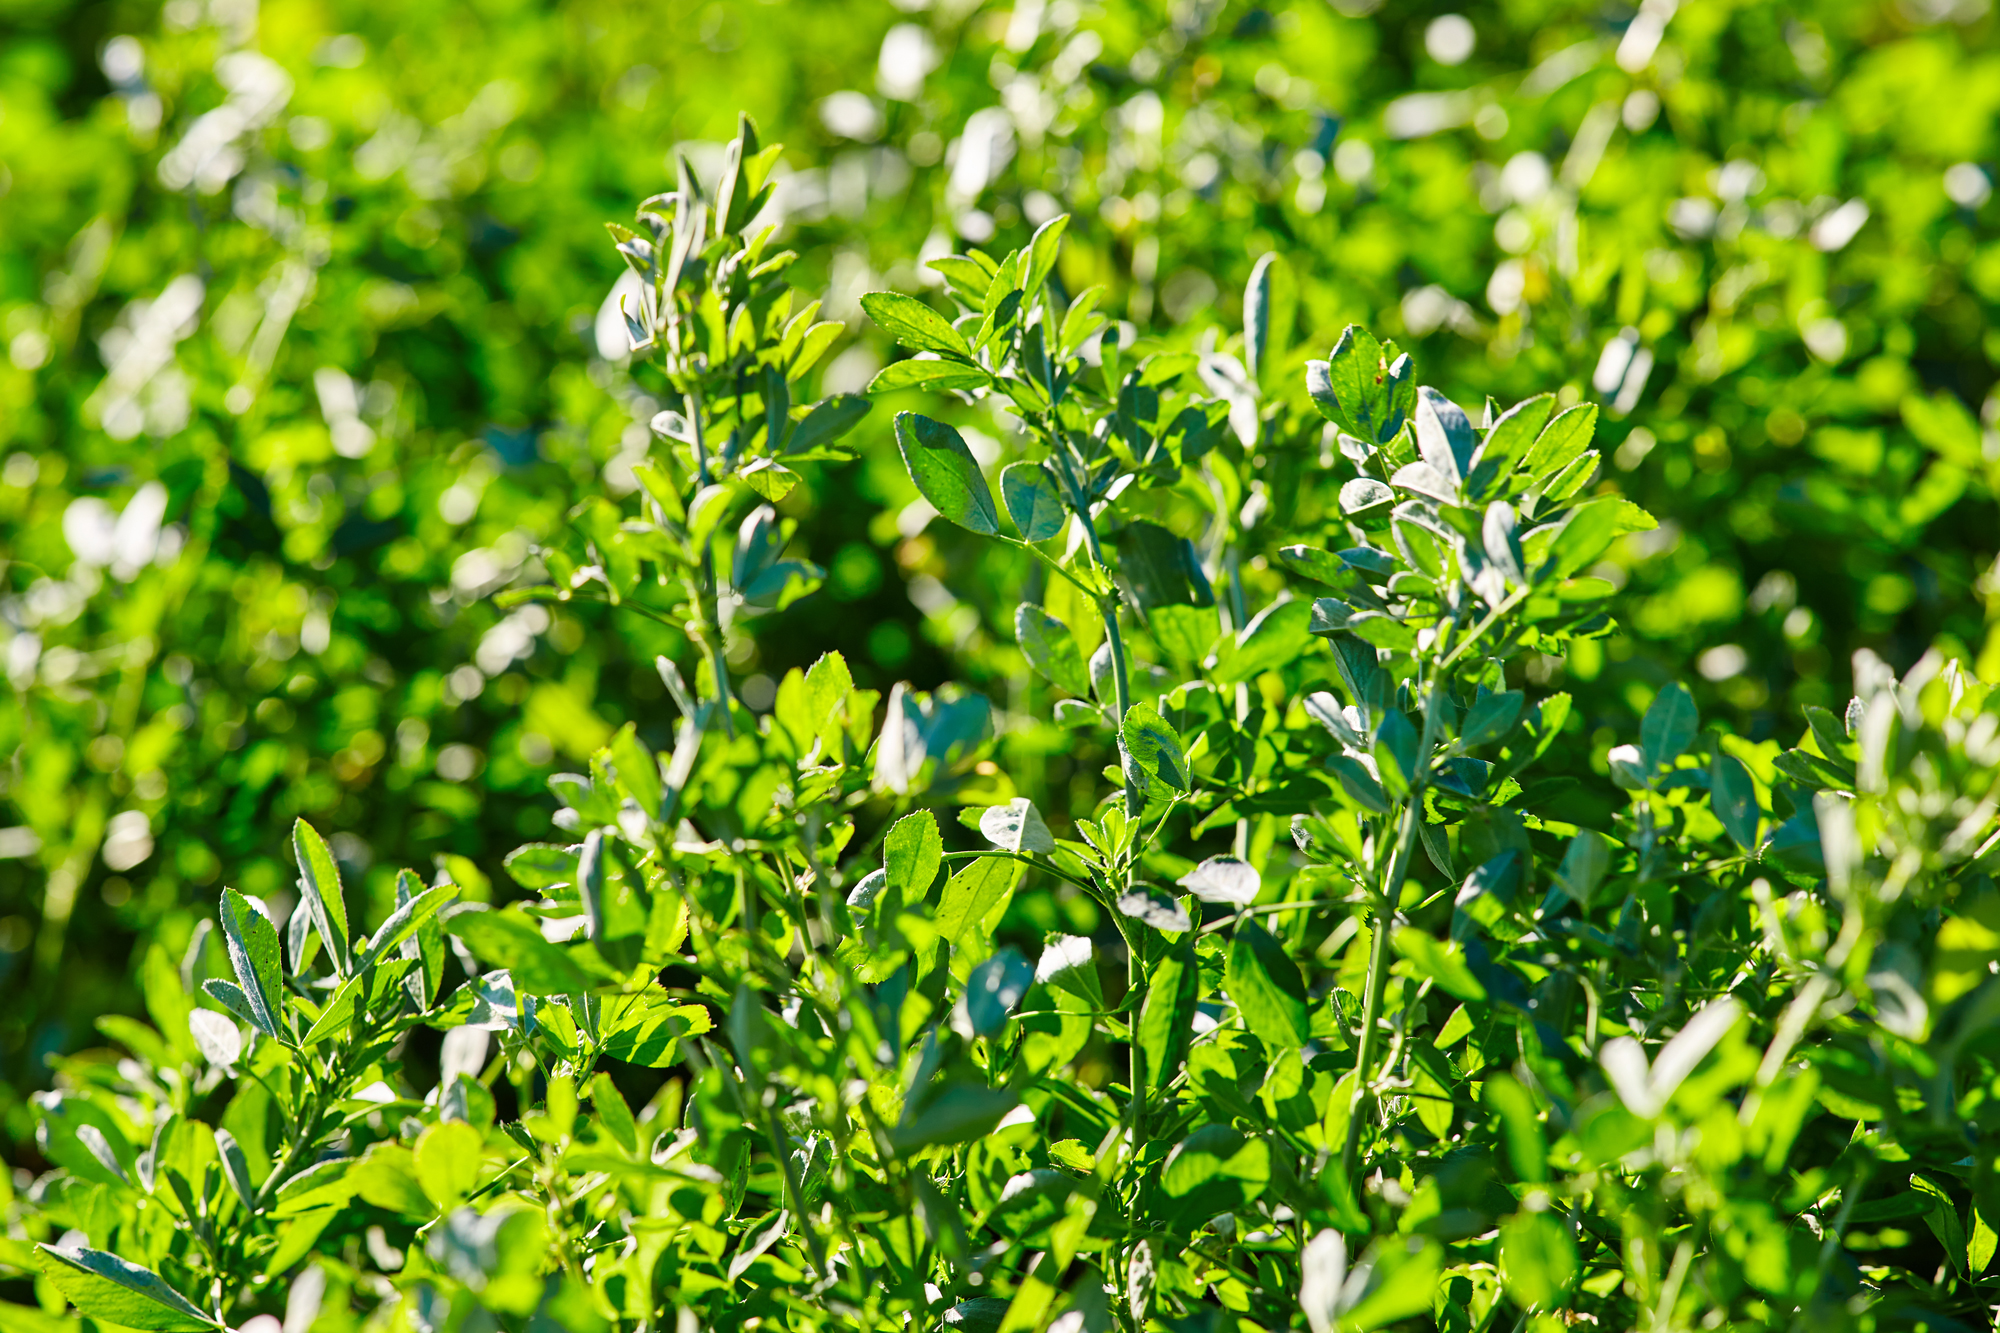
x=308, y=352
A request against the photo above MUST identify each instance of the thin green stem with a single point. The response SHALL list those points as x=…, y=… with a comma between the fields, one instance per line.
x=1059, y=873
x=1266, y=909
x=1392, y=894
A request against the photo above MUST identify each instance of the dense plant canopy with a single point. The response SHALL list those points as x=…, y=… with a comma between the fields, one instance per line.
x=1197, y=666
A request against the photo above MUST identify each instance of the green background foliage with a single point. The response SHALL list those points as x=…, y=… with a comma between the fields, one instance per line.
x=309, y=355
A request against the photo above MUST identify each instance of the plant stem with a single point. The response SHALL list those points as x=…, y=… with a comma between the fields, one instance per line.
x=1392, y=896
x=1135, y=801
x=1371, y=995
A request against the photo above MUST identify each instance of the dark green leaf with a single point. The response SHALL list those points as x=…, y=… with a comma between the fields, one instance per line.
x=1267, y=988
x=1396, y=757
x=1733, y=798
x=946, y=473
x=1051, y=649
x=615, y=903
x=1669, y=725
x=1166, y=1020
x=1155, y=747
x=253, y=953
x=955, y=1114
x=1359, y=784
x=103, y=1286
x=1491, y=717
x=1270, y=304
x=1163, y=569
x=829, y=419
x=1032, y=501
x=1584, y=865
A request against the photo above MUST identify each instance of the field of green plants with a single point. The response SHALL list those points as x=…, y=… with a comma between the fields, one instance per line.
x=1001, y=665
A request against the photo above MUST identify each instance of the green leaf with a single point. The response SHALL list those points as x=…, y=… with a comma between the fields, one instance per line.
x=1983, y=1241
x=1184, y=633
x=321, y=876
x=253, y=953
x=1444, y=436
x=1278, y=635
x=324, y=1184
x=386, y=1176
x=1366, y=501
x=1395, y=751
x=103, y=1286
x=613, y=1112
x=1537, y=1259
x=649, y=1032
x=914, y=324
x=1486, y=897
x=336, y=1014
x=1733, y=798
x=615, y=904
x=1163, y=569
x=1669, y=726
x=829, y=419
x=407, y=920
x=1017, y=827
x=1521, y=1130
x=513, y=941
x=1401, y=1279
x=541, y=866
x=1359, y=784
x=992, y=992
x=1166, y=1020
x=1584, y=864
x=946, y=473
x=1443, y=963
x=1224, y=879
x=1584, y=535
x=1561, y=442
x=1491, y=717
x=1502, y=544
x=1032, y=501
x=1051, y=649
x=1350, y=389
x=957, y=1113
x=1507, y=441
x=447, y=1162
x=1266, y=986
x=1215, y=1152
x=974, y=892
x=637, y=771
x=1043, y=247
x=922, y=373
x=911, y=855
x=1155, y=747
x=1270, y=305
x=1571, y=479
